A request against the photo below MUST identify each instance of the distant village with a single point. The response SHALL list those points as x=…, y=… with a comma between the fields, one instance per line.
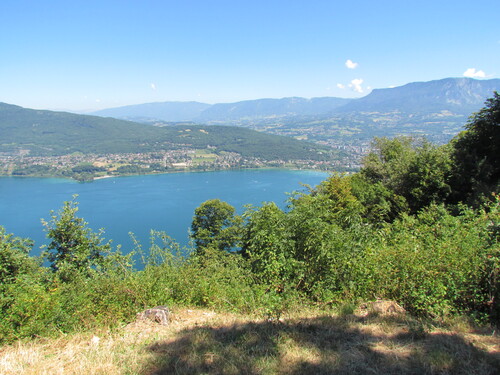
x=87, y=167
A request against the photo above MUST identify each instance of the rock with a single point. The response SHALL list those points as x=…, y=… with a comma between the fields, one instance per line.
x=158, y=314
x=95, y=340
x=380, y=307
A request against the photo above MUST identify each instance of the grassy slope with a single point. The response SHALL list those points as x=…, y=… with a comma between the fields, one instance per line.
x=309, y=342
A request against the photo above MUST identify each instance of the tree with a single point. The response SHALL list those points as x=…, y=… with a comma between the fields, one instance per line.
x=215, y=225
x=389, y=160
x=411, y=168
x=477, y=155
x=380, y=204
x=268, y=245
x=14, y=257
x=428, y=177
x=74, y=248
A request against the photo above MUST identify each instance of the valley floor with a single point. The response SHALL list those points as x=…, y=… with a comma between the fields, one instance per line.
x=200, y=341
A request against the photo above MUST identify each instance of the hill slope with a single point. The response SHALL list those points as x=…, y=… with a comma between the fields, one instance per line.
x=57, y=133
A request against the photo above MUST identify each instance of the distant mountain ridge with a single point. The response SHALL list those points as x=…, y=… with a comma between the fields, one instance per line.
x=202, y=112
x=264, y=108
x=167, y=111
x=458, y=95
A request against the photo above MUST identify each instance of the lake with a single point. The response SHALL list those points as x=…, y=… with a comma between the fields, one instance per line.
x=138, y=204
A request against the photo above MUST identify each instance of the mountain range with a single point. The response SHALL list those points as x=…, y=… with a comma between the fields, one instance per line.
x=460, y=96
x=436, y=109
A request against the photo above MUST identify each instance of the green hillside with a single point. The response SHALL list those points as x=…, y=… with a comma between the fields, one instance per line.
x=58, y=133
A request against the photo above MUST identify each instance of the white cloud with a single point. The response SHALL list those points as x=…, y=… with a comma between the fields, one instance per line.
x=473, y=73
x=340, y=86
x=356, y=85
x=351, y=65
x=153, y=86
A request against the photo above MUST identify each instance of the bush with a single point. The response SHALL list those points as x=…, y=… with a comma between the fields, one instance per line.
x=435, y=263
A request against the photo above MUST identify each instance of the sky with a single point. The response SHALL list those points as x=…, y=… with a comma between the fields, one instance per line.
x=84, y=55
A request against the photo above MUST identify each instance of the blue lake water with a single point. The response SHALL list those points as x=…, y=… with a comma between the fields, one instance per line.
x=138, y=204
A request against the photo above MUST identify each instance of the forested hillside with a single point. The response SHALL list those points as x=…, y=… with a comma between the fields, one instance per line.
x=37, y=132
x=419, y=224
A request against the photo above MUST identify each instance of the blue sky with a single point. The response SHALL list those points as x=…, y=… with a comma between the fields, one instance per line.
x=87, y=54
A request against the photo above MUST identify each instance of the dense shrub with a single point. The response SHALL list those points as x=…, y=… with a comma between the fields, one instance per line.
x=435, y=263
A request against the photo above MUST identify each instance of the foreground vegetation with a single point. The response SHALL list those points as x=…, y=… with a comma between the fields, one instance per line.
x=419, y=225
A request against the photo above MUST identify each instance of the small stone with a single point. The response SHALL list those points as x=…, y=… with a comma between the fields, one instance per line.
x=158, y=314
x=95, y=340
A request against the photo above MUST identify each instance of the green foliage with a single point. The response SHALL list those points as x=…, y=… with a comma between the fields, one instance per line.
x=87, y=168
x=380, y=204
x=216, y=279
x=130, y=169
x=74, y=248
x=267, y=244
x=389, y=160
x=329, y=241
x=20, y=276
x=476, y=156
x=14, y=257
x=415, y=173
x=37, y=170
x=314, y=248
x=427, y=179
x=435, y=263
x=215, y=226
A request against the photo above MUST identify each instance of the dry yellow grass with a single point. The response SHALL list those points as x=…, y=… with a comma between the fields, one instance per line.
x=200, y=341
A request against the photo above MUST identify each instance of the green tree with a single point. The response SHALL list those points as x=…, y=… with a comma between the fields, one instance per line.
x=379, y=203
x=215, y=225
x=415, y=171
x=268, y=245
x=389, y=160
x=14, y=257
x=476, y=155
x=428, y=177
x=74, y=248
x=328, y=233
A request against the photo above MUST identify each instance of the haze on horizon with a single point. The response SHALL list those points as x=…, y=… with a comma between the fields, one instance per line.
x=93, y=55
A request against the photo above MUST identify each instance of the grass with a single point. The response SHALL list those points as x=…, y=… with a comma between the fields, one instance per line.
x=307, y=342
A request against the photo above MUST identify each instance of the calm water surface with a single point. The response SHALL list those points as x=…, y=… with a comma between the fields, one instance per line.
x=140, y=203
